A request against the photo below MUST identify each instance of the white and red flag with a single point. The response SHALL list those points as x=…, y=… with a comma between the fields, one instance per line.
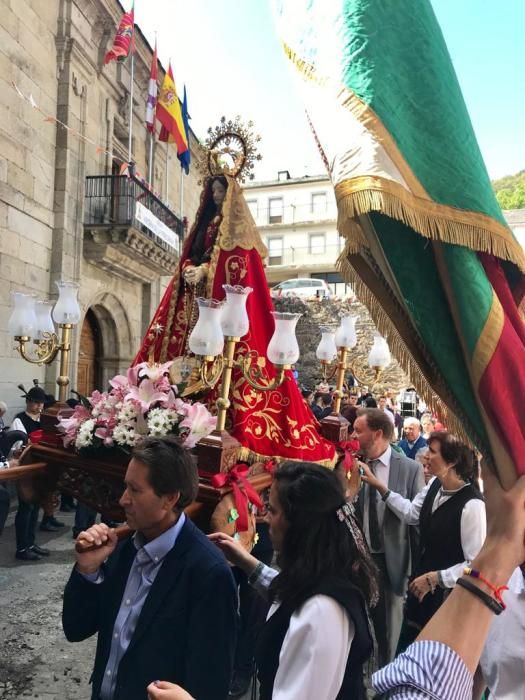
x=151, y=104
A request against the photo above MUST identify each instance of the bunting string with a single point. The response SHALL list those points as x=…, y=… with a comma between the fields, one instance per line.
x=99, y=150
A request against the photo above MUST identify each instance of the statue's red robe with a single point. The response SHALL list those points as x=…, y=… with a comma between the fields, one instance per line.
x=276, y=423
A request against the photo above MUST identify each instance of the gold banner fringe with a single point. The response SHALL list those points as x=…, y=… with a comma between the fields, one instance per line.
x=398, y=347
x=356, y=198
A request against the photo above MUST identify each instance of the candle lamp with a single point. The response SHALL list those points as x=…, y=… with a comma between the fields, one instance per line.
x=219, y=450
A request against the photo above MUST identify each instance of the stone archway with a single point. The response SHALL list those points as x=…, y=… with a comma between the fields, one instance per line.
x=116, y=351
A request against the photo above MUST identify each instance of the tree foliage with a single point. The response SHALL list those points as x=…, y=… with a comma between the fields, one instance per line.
x=510, y=191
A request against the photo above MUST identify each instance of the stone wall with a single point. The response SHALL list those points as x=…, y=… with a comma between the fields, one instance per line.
x=328, y=312
x=53, y=50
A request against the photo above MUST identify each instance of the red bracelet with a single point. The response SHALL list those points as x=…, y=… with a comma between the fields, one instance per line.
x=496, y=590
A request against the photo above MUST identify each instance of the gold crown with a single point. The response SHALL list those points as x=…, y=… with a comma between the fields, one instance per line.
x=230, y=149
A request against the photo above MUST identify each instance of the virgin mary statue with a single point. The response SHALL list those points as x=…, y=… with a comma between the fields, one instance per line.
x=224, y=247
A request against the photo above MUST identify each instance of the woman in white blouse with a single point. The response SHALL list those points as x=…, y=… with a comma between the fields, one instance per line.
x=316, y=638
x=450, y=512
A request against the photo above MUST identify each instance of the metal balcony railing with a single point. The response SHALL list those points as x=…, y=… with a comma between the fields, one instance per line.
x=112, y=200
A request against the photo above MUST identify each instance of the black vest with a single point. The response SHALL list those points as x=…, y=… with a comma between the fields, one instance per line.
x=29, y=424
x=440, y=547
x=440, y=544
x=271, y=637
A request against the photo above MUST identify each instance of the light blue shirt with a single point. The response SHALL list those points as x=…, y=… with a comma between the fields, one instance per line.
x=145, y=567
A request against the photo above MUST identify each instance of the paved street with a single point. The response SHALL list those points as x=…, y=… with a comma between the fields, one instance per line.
x=36, y=660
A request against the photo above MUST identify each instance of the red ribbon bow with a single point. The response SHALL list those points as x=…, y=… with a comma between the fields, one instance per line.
x=243, y=492
x=351, y=449
x=269, y=465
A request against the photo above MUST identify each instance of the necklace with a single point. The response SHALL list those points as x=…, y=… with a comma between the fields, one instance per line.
x=450, y=492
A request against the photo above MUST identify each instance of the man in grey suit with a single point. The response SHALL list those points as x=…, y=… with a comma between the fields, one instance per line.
x=389, y=539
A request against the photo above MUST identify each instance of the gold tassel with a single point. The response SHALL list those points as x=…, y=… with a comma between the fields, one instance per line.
x=414, y=212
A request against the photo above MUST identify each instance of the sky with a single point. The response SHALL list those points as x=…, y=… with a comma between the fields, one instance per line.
x=228, y=55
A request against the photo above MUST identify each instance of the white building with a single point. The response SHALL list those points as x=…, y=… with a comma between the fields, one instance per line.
x=516, y=220
x=297, y=219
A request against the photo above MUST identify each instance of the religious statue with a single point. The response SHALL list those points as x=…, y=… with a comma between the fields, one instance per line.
x=224, y=247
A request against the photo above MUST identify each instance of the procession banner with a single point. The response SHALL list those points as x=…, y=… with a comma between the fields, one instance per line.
x=427, y=246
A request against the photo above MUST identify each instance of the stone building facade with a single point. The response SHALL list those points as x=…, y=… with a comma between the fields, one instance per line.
x=65, y=213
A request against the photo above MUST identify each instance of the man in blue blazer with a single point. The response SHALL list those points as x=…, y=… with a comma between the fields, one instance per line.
x=163, y=602
x=413, y=440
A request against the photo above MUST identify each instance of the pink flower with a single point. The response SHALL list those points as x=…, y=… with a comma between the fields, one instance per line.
x=200, y=422
x=96, y=397
x=178, y=404
x=146, y=395
x=153, y=372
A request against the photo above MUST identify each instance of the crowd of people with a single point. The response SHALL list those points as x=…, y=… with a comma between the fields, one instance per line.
x=379, y=574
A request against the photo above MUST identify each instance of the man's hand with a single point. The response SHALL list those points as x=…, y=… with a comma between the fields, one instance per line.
x=193, y=275
x=369, y=477
x=105, y=541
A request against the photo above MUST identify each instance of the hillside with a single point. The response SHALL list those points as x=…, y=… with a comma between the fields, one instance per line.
x=510, y=191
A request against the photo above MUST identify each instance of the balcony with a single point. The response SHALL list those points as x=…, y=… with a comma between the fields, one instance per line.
x=294, y=215
x=295, y=258
x=128, y=231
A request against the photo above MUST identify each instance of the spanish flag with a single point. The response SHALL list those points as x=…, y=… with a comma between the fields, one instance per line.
x=169, y=114
x=427, y=246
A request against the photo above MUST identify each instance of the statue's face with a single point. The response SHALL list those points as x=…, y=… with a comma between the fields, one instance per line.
x=218, y=192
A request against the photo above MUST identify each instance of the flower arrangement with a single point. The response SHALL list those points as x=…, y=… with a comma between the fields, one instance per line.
x=141, y=403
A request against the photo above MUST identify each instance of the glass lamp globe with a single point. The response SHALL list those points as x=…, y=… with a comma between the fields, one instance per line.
x=345, y=336
x=206, y=338
x=283, y=348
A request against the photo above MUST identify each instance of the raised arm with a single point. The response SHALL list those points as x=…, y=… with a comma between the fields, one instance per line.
x=443, y=659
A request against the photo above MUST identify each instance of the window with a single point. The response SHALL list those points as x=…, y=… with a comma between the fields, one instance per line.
x=275, y=210
x=317, y=244
x=319, y=207
x=275, y=251
x=253, y=206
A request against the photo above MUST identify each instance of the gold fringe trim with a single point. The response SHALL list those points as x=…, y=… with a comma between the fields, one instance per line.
x=362, y=195
x=249, y=456
x=400, y=350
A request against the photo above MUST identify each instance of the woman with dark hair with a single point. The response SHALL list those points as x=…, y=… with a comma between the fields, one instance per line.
x=316, y=638
x=450, y=512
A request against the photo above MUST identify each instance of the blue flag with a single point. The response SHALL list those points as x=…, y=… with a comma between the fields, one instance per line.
x=185, y=157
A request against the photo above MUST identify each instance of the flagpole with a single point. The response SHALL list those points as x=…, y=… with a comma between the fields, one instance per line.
x=150, y=179
x=167, y=171
x=131, y=81
x=181, y=192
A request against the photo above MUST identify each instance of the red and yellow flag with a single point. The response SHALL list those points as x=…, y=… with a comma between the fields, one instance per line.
x=123, y=43
x=169, y=114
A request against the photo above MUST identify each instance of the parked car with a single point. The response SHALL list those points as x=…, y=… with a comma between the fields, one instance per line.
x=304, y=287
